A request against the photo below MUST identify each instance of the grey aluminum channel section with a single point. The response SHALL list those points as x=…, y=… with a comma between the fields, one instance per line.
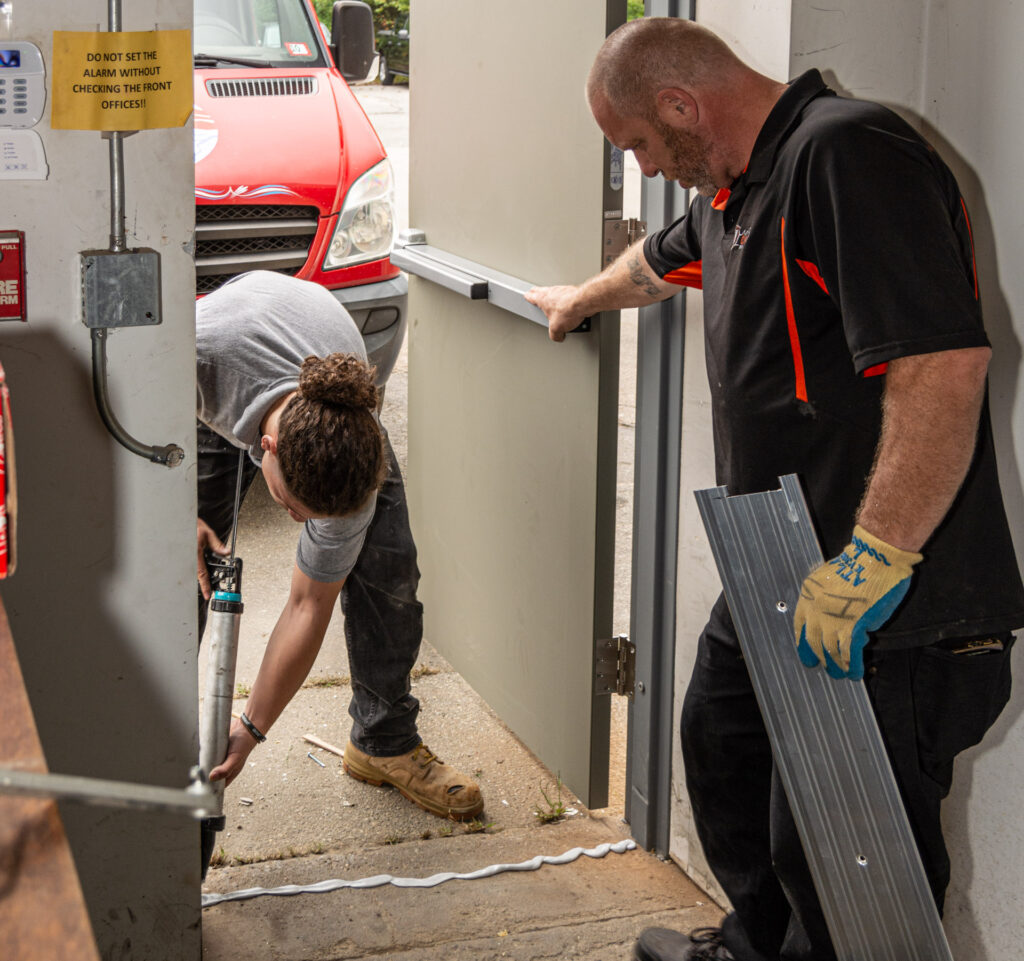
x=826, y=743
x=661, y=339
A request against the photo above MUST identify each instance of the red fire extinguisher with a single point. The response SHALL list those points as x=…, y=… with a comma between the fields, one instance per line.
x=8, y=489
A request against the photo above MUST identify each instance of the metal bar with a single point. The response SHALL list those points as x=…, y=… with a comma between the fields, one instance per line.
x=238, y=503
x=197, y=800
x=117, y=199
x=248, y=229
x=509, y=294
x=471, y=279
x=827, y=747
x=116, y=151
x=415, y=259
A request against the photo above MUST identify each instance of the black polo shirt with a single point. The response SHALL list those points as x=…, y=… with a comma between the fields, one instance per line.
x=843, y=245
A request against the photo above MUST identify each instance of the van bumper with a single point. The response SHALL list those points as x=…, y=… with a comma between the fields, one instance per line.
x=379, y=311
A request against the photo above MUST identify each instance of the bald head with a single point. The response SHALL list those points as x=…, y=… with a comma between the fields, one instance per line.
x=645, y=56
x=676, y=96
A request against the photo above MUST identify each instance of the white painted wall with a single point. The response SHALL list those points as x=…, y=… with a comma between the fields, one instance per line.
x=954, y=69
x=102, y=607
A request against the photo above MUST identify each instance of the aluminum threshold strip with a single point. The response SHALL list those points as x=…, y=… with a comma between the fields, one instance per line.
x=469, y=278
x=829, y=752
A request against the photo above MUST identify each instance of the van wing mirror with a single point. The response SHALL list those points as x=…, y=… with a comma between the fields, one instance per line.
x=352, y=39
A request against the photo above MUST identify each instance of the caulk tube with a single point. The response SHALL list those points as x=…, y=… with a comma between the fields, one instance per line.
x=223, y=625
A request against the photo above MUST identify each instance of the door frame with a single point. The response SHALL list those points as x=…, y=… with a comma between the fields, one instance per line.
x=661, y=336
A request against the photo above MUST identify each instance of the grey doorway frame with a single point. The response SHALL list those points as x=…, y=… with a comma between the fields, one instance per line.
x=661, y=338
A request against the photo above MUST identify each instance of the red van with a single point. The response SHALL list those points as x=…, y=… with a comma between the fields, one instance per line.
x=290, y=174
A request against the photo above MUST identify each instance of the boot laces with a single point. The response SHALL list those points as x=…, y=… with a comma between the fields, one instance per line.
x=428, y=756
x=711, y=946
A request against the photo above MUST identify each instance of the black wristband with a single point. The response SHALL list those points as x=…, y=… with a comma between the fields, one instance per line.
x=252, y=729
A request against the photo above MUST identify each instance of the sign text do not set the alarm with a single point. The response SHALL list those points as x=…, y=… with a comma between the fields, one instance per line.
x=121, y=80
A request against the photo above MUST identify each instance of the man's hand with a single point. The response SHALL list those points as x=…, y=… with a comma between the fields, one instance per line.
x=629, y=281
x=240, y=745
x=847, y=597
x=561, y=305
x=207, y=540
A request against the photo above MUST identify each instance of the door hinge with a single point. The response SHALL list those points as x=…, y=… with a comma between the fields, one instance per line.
x=615, y=666
x=619, y=234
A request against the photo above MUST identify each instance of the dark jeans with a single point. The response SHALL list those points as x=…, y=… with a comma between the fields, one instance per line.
x=383, y=619
x=930, y=704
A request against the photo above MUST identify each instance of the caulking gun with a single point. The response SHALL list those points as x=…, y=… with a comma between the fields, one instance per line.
x=225, y=618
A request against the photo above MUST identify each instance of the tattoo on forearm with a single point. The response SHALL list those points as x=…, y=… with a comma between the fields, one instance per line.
x=639, y=278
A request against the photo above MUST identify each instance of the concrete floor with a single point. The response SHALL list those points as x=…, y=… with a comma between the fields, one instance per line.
x=292, y=821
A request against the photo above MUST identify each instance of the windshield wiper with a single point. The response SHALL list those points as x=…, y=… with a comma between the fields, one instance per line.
x=209, y=59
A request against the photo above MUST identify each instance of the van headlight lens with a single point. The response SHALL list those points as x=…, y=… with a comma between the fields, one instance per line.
x=366, y=224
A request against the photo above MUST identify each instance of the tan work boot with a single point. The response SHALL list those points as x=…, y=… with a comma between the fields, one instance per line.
x=422, y=777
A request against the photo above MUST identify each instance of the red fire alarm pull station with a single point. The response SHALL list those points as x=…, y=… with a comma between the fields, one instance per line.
x=12, y=275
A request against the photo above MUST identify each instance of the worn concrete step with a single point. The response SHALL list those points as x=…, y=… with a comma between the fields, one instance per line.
x=588, y=909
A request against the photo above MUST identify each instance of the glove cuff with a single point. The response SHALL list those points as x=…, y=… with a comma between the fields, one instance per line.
x=881, y=551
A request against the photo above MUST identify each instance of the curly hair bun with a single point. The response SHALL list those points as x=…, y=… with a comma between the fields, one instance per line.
x=339, y=379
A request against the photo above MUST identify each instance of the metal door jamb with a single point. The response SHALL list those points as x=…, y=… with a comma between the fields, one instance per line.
x=661, y=337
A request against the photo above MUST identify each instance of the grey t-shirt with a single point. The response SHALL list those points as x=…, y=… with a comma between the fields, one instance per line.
x=252, y=335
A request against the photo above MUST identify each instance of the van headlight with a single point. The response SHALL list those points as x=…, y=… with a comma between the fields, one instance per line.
x=366, y=224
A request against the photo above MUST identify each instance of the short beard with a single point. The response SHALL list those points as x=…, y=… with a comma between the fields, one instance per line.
x=691, y=158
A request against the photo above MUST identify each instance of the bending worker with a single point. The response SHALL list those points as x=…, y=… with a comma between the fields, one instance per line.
x=844, y=343
x=282, y=374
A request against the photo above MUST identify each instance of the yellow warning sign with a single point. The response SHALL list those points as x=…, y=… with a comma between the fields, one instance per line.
x=122, y=80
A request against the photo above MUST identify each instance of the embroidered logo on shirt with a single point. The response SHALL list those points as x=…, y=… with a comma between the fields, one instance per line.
x=739, y=237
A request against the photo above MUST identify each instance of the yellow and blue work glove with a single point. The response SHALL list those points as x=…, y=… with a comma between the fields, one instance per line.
x=845, y=598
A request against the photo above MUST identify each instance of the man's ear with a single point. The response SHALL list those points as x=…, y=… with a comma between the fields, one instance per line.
x=677, y=107
x=269, y=444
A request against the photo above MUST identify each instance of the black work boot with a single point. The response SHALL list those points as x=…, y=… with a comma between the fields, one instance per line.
x=663, y=944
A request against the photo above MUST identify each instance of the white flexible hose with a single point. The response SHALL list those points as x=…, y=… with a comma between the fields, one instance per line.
x=322, y=887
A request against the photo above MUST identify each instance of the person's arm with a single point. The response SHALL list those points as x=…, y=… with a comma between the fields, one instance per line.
x=628, y=281
x=292, y=649
x=930, y=422
x=206, y=540
x=930, y=412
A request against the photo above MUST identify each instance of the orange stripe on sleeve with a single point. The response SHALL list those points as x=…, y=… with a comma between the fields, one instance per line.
x=812, y=271
x=692, y=275
x=970, y=235
x=794, y=338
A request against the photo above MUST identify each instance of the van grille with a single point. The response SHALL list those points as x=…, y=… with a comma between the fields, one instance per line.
x=273, y=87
x=234, y=238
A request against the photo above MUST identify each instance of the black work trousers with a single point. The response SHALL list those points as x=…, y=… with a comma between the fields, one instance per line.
x=383, y=618
x=930, y=703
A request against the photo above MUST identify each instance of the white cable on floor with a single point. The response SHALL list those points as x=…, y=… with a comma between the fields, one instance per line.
x=322, y=887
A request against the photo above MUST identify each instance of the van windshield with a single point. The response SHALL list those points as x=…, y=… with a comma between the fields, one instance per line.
x=273, y=33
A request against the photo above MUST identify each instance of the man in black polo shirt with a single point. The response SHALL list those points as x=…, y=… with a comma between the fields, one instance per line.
x=844, y=343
